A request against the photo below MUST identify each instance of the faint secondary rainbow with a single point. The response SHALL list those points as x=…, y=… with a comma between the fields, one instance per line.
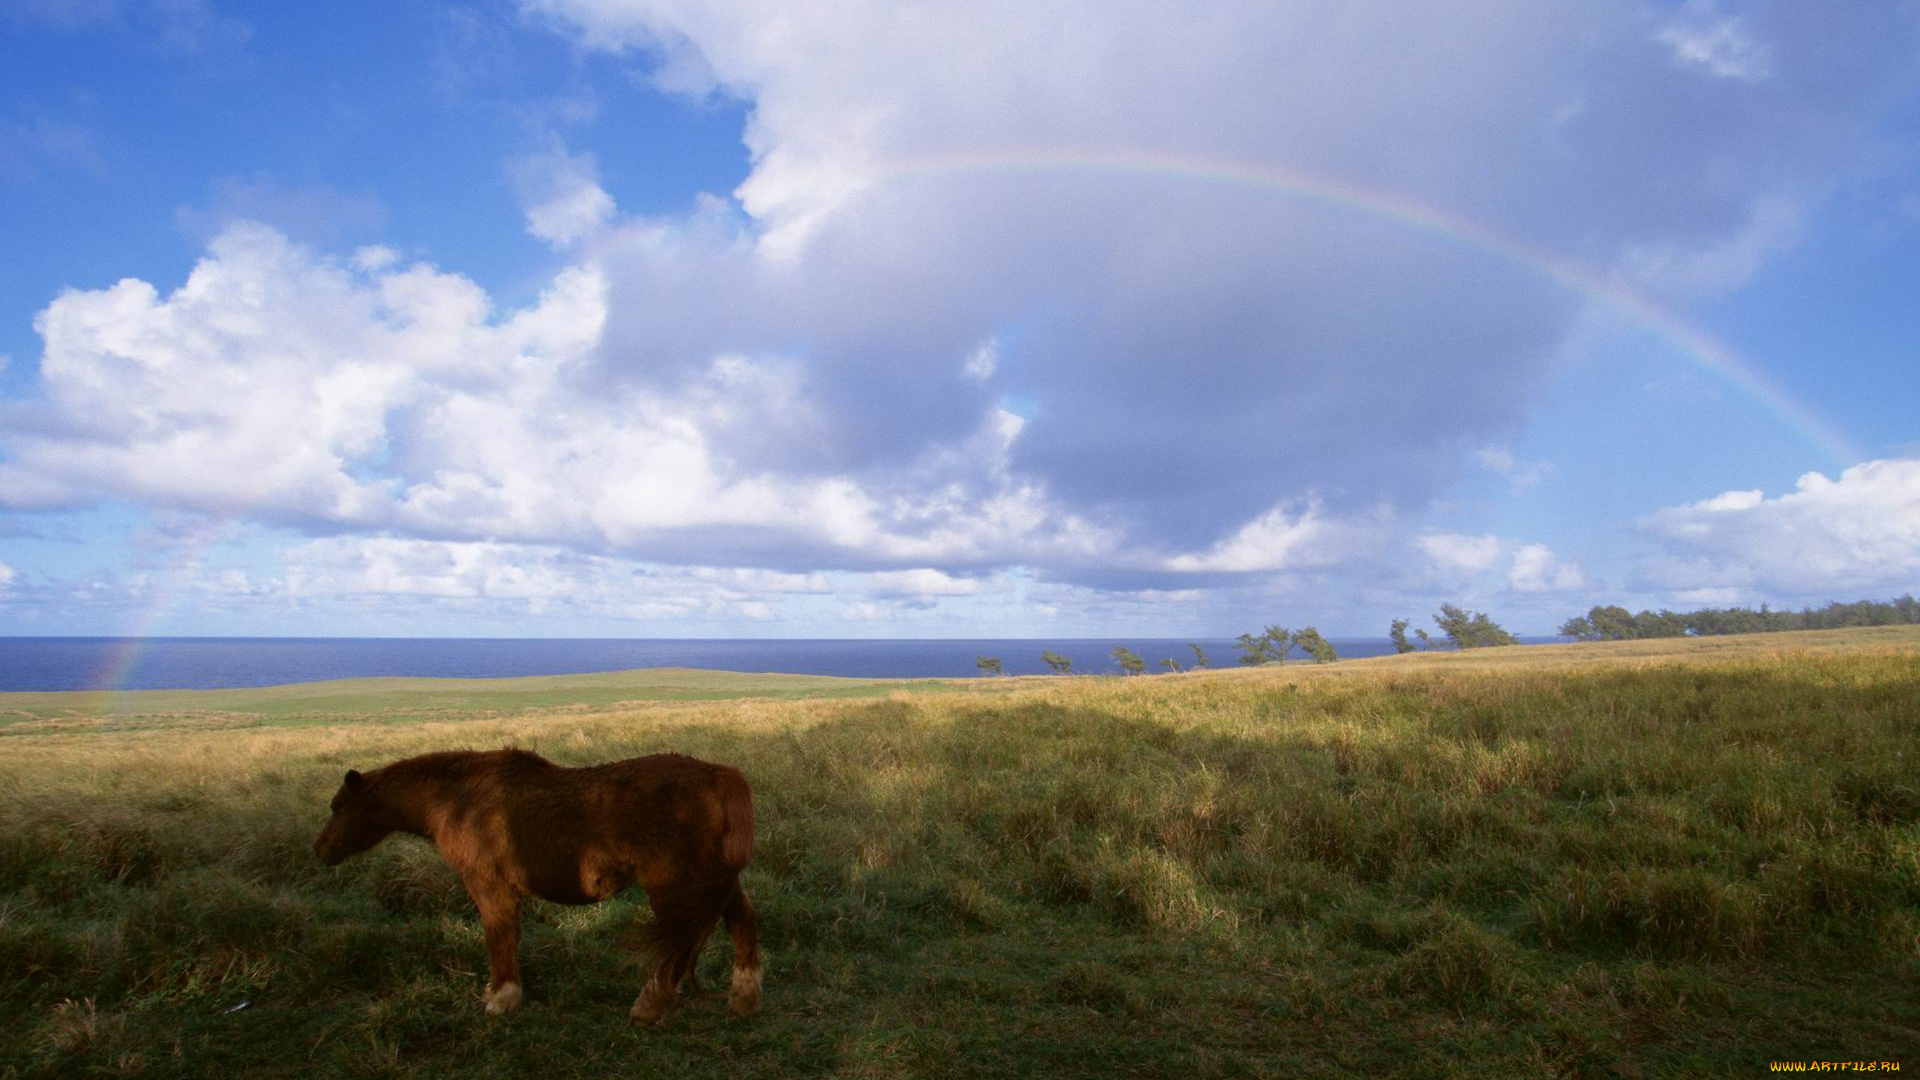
x=104, y=686
x=1697, y=346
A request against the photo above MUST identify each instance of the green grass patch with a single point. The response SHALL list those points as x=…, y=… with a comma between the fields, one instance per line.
x=391, y=700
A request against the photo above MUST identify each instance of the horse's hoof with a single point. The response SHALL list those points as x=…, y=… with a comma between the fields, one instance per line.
x=649, y=1008
x=743, y=997
x=503, y=999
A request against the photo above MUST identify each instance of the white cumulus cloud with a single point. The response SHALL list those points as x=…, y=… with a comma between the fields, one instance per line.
x=1456, y=553
x=266, y=383
x=287, y=386
x=1520, y=475
x=1284, y=538
x=918, y=583
x=563, y=197
x=1860, y=531
x=1530, y=567
x=1537, y=569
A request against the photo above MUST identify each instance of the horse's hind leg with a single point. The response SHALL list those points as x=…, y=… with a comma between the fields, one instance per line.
x=657, y=997
x=500, y=915
x=682, y=919
x=692, y=988
x=743, y=997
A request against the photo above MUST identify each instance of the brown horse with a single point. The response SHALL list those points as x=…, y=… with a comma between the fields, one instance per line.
x=513, y=824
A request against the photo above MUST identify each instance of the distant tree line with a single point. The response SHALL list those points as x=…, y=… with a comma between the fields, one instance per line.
x=1614, y=623
x=1465, y=629
x=1274, y=644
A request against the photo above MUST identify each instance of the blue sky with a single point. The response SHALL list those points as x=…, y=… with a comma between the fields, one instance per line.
x=649, y=318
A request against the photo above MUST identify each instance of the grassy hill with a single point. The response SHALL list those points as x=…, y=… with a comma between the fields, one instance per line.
x=393, y=699
x=1678, y=858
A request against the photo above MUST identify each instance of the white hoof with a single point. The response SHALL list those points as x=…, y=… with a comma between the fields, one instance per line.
x=743, y=996
x=504, y=999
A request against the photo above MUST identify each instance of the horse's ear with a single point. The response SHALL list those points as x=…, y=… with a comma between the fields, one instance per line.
x=354, y=780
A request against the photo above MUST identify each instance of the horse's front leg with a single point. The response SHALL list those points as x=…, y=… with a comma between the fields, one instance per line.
x=500, y=914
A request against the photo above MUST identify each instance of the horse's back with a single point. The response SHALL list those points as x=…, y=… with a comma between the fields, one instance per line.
x=672, y=799
x=581, y=834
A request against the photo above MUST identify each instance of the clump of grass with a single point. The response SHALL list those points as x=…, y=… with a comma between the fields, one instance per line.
x=1659, y=912
x=1099, y=987
x=73, y=1029
x=1879, y=794
x=39, y=950
x=1455, y=962
x=411, y=879
x=974, y=902
x=120, y=851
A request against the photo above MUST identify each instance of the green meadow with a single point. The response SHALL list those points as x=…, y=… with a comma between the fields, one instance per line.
x=389, y=700
x=1639, y=859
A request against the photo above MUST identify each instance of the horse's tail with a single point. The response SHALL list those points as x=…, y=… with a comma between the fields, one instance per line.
x=736, y=799
x=683, y=918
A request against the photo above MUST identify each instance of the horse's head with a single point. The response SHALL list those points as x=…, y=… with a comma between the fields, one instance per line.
x=359, y=821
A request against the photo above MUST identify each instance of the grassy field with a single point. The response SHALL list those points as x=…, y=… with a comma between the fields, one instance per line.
x=1659, y=859
x=406, y=700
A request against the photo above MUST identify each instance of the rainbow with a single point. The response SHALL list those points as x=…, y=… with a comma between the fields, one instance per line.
x=1698, y=347
x=126, y=652
x=104, y=687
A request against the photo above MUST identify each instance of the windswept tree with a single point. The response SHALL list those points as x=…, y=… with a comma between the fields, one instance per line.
x=1269, y=647
x=1426, y=639
x=1612, y=623
x=1397, y=633
x=988, y=665
x=1199, y=655
x=1470, y=629
x=1317, y=647
x=1128, y=660
x=1280, y=641
x=1659, y=624
x=1172, y=665
x=1060, y=665
x=1579, y=628
x=1253, y=650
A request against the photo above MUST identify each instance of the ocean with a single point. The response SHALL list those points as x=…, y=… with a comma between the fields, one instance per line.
x=77, y=663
